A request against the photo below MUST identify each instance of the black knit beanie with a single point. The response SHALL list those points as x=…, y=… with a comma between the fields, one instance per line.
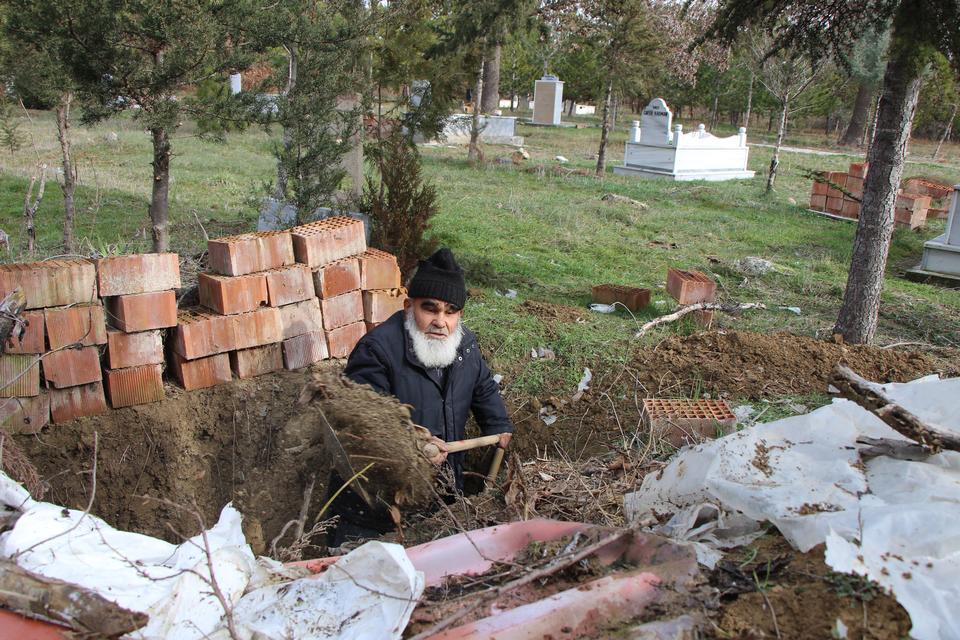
x=440, y=277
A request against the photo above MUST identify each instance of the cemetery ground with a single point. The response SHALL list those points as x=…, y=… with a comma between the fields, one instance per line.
x=539, y=229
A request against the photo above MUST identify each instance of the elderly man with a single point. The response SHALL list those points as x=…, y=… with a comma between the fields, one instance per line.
x=425, y=357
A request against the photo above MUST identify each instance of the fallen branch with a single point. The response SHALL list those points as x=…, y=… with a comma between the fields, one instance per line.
x=87, y=612
x=700, y=306
x=898, y=449
x=560, y=564
x=871, y=397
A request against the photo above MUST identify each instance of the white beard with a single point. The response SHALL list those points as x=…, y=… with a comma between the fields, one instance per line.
x=433, y=353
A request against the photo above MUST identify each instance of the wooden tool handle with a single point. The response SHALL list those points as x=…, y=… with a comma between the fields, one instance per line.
x=494, y=466
x=454, y=446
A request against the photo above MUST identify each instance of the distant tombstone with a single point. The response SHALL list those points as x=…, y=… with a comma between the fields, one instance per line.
x=656, y=123
x=547, y=100
x=236, y=83
x=418, y=89
x=941, y=255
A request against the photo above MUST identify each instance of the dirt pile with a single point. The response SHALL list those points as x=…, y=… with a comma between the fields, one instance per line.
x=753, y=365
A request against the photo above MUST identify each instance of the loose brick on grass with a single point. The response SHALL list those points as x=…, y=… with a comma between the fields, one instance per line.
x=138, y=273
x=324, y=241
x=134, y=385
x=341, y=341
x=200, y=333
x=688, y=286
x=19, y=375
x=300, y=318
x=25, y=415
x=633, y=298
x=337, y=278
x=256, y=361
x=133, y=349
x=33, y=339
x=290, y=284
x=257, y=328
x=202, y=372
x=378, y=270
x=80, y=324
x=71, y=367
x=232, y=294
x=341, y=310
x=681, y=421
x=303, y=350
x=143, y=311
x=77, y=402
x=52, y=283
x=380, y=304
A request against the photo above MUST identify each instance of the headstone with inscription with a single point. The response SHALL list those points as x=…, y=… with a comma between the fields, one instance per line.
x=657, y=148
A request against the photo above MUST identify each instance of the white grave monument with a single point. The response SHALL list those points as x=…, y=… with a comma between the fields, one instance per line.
x=236, y=83
x=657, y=148
x=941, y=256
x=547, y=100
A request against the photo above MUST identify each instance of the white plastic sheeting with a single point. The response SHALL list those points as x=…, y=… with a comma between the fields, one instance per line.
x=891, y=520
x=369, y=593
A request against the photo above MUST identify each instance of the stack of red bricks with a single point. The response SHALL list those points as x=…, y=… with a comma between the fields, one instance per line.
x=53, y=370
x=283, y=299
x=141, y=302
x=688, y=286
x=936, y=191
x=839, y=194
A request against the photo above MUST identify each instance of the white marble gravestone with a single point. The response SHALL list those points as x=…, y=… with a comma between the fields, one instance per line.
x=656, y=148
x=236, y=83
x=941, y=256
x=547, y=100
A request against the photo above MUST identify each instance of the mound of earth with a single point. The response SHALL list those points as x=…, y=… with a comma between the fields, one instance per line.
x=753, y=365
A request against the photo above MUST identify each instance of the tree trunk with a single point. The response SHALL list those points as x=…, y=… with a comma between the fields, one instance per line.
x=946, y=131
x=858, y=121
x=857, y=321
x=775, y=160
x=491, y=81
x=69, y=177
x=280, y=192
x=474, y=155
x=604, y=131
x=713, y=114
x=746, y=116
x=573, y=105
x=159, y=210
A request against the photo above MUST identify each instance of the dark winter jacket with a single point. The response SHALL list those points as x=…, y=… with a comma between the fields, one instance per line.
x=384, y=359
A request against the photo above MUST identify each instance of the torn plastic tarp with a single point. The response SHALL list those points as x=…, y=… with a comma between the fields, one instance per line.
x=888, y=519
x=171, y=583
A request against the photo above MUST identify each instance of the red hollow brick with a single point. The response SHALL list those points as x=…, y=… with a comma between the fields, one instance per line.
x=232, y=294
x=341, y=310
x=52, y=283
x=25, y=415
x=257, y=328
x=924, y=187
x=913, y=202
x=855, y=186
x=633, y=298
x=143, y=311
x=276, y=249
x=328, y=240
x=202, y=372
x=378, y=270
x=340, y=342
x=337, y=278
x=859, y=169
x=133, y=349
x=80, y=324
x=818, y=203
x=684, y=421
x=300, y=318
x=33, y=338
x=910, y=218
x=139, y=273
x=834, y=205
x=303, y=350
x=380, y=304
x=819, y=189
x=250, y=252
x=287, y=285
x=249, y=363
x=19, y=375
x=200, y=333
x=850, y=209
x=134, y=385
x=690, y=287
x=71, y=367
x=77, y=402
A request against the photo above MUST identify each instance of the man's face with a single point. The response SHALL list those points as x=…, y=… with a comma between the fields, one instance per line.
x=435, y=319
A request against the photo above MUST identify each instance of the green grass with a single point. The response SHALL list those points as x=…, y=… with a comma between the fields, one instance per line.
x=550, y=238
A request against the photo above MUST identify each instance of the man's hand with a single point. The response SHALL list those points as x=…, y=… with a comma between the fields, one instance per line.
x=434, y=449
x=504, y=440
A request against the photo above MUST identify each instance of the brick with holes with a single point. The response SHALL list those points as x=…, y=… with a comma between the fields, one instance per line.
x=303, y=350
x=133, y=349
x=378, y=270
x=77, y=402
x=337, y=278
x=688, y=286
x=143, y=311
x=80, y=324
x=202, y=372
x=681, y=421
x=324, y=241
x=341, y=341
x=256, y=361
x=138, y=273
x=134, y=385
